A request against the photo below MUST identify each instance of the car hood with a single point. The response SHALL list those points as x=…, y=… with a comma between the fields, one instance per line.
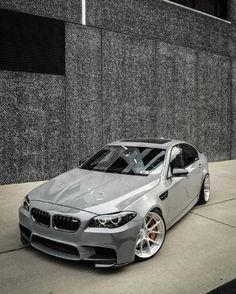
x=93, y=191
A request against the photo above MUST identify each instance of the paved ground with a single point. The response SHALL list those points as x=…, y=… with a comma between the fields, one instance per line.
x=199, y=253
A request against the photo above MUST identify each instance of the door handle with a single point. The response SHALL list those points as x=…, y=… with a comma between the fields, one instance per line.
x=164, y=195
x=200, y=165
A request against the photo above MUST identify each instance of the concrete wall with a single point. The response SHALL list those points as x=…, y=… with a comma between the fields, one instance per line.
x=233, y=108
x=32, y=126
x=84, y=92
x=68, y=10
x=163, y=21
x=138, y=68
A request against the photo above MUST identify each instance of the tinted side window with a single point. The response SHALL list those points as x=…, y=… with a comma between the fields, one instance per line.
x=190, y=154
x=176, y=159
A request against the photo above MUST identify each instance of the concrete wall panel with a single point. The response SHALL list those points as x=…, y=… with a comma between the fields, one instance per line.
x=176, y=88
x=232, y=10
x=161, y=20
x=69, y=10
x=233, y=107
x=84, y=101
x=32, y=126
x=128, y=86
x=214, y=106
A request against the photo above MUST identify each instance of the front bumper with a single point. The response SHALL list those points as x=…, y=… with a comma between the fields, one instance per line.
x=104, y=247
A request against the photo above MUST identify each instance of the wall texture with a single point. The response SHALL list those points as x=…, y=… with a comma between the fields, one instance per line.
x=177, y=91
x=163, y=21
x=68, y=10
x=32, y=126
x=128, y=86
x=138, y=68
x=83, y=88
x=214, y=98
x=233, y=108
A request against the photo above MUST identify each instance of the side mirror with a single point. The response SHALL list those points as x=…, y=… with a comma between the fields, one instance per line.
x=179, y=172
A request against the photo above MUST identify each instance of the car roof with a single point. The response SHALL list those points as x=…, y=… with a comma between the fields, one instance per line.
x=147, y=142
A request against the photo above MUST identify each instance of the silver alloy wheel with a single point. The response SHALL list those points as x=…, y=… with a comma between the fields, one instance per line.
x=206, y=187
x=151, y=236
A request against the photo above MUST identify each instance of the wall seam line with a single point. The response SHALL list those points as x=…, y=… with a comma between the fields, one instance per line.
x=197, y=96
x=66, y=164
x=231, y=111
x=155, y=90
x=102, y=106
x=83, y=11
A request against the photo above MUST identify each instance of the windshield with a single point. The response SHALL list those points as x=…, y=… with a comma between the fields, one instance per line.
x=127, y=160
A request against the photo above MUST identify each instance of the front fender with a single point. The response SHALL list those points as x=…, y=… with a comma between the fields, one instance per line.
x=150, y=201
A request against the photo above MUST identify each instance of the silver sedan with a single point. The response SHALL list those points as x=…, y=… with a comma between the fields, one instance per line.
x=117, y=206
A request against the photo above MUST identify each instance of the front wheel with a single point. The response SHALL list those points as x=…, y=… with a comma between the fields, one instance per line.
x=205, y=190
x=151, y=236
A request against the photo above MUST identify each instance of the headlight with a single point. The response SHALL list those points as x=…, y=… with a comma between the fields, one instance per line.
x=26, y=203
x=112, y=221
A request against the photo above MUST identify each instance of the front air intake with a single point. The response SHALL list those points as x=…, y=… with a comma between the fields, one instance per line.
x=57, y=246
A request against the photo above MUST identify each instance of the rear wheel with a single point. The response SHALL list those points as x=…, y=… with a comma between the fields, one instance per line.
x=205, y=190
x=151, y=236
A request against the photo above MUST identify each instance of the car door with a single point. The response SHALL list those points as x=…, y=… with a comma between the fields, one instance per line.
x=193, y=166
x=177, y=191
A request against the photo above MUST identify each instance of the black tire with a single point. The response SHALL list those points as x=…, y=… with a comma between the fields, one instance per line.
x=158, y=213
x=202, y=196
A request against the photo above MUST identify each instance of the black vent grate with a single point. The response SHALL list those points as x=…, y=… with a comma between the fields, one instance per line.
x=41, y=217
x=55, y=245
x=66, y=223
x=26, y=233
x=31, y=43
